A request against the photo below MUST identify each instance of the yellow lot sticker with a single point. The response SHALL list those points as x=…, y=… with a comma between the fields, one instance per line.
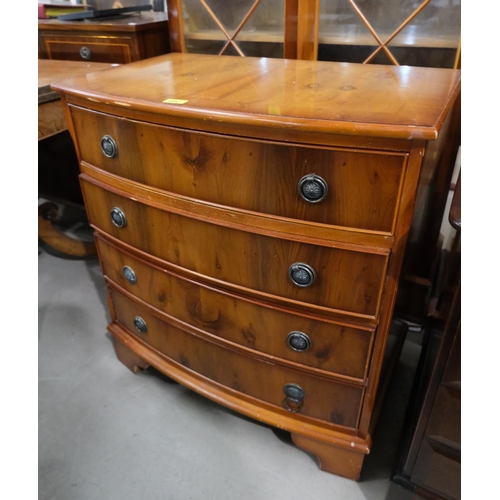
x=175, y=101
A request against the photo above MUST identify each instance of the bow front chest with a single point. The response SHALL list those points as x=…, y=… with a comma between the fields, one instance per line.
x=251, y=217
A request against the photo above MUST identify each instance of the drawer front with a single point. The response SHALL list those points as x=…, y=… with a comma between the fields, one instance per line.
x=330, y=401
x=91, y=49
x=324, y=345
x=344, y=280
x=361, y=189
x=438, y=469
x=445, y=419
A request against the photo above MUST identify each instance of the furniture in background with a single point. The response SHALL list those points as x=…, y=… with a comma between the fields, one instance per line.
x=66, y=48
x=121, y=39
x=251, y=217
x=57, y=162
x=429, y=458
x=387, y=31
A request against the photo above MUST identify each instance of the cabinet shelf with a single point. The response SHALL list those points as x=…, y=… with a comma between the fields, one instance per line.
x=412, y=36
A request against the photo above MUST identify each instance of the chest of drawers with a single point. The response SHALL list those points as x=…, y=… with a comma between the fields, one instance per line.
x=118, y=40
x=251, y=217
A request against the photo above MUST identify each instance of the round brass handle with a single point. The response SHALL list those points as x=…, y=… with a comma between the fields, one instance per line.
x=109, y=147
x=294, y=398
x=301, y=274
x=118, y=217
x=129, y=274
x=85, y=53
x=312, y=188
x=298, y=341
x=140, y=325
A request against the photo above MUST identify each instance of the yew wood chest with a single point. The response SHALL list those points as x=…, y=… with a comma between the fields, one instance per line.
x=251, y=217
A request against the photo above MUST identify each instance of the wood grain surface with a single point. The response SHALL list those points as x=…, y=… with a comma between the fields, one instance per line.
x=355, y=99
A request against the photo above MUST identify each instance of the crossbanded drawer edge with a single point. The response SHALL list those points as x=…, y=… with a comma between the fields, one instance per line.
x=278, y=227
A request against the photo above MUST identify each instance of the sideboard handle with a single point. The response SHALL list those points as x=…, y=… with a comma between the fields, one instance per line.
x=85, y=53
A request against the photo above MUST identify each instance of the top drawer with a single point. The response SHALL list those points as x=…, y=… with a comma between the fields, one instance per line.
x=361, y=189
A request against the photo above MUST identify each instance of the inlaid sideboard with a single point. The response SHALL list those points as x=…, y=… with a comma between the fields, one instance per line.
x=119, y=39
x=251, y=217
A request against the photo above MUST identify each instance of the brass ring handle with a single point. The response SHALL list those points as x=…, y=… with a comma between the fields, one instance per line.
x=118, y=217
x=293, y=405
x=140, y=325
x=294, y=398
x=298, y=341
x=129, y=274
x=301, y=274
x=313, y=188
x=109, y=147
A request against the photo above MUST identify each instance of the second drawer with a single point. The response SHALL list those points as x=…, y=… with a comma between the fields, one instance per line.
x=333, y=278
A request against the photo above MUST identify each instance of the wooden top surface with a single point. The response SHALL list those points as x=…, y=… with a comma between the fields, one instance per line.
x=133, y=21
x=50, y=70
x=356, y=99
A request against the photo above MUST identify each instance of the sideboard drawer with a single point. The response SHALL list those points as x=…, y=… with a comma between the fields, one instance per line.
x=324, y=345
x=88, y=48
x=344, y=280
x=325, y=399
x=361, y=189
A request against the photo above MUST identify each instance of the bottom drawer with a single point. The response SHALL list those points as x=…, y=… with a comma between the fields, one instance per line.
x=295, y=391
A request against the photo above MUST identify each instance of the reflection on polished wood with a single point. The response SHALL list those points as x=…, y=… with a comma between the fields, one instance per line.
x=50, y=111
x=296, y=96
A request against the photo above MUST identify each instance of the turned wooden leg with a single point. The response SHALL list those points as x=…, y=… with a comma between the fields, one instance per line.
x=128, y=357
x=334, y=459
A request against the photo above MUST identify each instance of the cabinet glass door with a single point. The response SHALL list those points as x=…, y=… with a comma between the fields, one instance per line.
x=405, y=32
x=238, y=27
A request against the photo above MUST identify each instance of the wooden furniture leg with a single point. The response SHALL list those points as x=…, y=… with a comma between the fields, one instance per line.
x=335, y=459
x=55, y=238
x=129, y=358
